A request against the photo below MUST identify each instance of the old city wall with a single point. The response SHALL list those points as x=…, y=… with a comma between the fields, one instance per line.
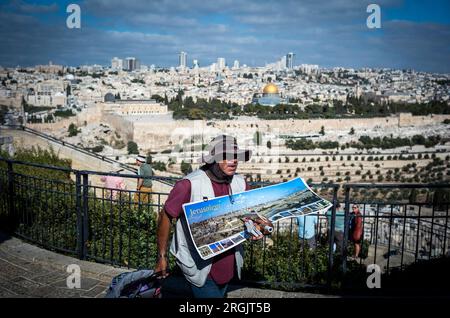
x=408, y=119
x=122, y=126
x=156, y=136
x=314, y=125
x=90, y=116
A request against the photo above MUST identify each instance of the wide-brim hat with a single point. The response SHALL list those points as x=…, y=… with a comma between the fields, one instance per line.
x=140, y=158
x=224, y=147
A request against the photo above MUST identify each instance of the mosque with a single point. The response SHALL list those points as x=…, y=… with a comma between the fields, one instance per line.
x=269, y=97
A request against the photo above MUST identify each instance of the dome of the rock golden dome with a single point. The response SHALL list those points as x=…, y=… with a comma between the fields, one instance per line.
x=270, y=89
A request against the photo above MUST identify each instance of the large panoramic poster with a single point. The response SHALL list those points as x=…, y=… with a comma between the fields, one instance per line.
x=217, y=225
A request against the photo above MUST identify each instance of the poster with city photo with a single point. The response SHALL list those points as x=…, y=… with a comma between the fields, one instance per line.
x=217, y=225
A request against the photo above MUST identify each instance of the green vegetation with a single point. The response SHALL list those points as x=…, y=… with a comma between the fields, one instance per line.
x=132, y=148
x=64, y=113
x=365, y=108
x=185, y=167
x=159, y=165
x=39, y=156
x=257, y=138
x=73, y=130
x=140, y=81
x=201, y=109
x=306, y=144
x=98, y=148
x=366, y=142
x=354, y=108
x=158, y=98
x=34, y=109
x=52, y=221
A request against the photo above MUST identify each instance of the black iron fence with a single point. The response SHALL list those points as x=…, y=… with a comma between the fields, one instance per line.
x=67, y=211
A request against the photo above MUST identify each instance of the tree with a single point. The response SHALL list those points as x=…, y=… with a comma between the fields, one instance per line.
x=73, y=130
x=352, y=131
x=160, y=166
x=257, y=138
x=132, y=148
x=186, y=168
x=269, y=144
x=322, y=131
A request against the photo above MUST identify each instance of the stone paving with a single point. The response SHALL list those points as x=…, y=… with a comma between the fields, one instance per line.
x=29, y=271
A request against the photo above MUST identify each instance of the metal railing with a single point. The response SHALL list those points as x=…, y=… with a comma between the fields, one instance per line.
x=70, y=145
x=401, y=233
x=67, y=211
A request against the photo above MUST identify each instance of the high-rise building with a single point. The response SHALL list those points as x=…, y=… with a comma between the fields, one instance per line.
x=309, y=68
x=195, y=64
x=221, y=63
x=236, y=64
x=182, y=57
x=116, y=64
x=131, y=64
x=290, y=60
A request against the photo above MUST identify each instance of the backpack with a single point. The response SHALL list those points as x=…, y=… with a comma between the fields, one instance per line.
x=137, y=284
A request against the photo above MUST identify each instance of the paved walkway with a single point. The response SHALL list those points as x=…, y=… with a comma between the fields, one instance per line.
x=29, y=271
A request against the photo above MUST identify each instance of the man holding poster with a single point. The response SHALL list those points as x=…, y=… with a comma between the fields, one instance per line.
x=217, y=177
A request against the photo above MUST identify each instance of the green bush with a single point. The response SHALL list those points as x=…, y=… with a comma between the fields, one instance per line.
x=132, y=148
x=158, y=165
x=73, y=130
x=186, y=168
x=97, y=148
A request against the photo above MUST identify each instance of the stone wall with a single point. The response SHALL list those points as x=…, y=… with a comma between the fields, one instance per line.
x=122, y=126
x=91, y=115
x=163, y=135
x=407, y=119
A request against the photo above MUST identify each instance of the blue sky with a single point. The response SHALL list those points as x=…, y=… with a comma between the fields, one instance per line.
x=414, y=34
x=245, y=199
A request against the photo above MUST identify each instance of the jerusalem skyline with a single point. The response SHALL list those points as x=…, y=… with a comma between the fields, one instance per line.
x=413, y=35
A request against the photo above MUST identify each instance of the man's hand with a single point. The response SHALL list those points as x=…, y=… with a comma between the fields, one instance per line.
x=261, y=226
x=161, y=267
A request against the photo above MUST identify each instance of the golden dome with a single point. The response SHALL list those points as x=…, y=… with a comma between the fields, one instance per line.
x=270, y=89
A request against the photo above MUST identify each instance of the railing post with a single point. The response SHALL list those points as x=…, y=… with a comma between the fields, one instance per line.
x=85, y=215
x=344, y=243
x=331, y=237
x=11, y=213
x=80, y=241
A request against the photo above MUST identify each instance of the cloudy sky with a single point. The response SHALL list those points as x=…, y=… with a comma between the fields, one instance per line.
x=414, y=33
